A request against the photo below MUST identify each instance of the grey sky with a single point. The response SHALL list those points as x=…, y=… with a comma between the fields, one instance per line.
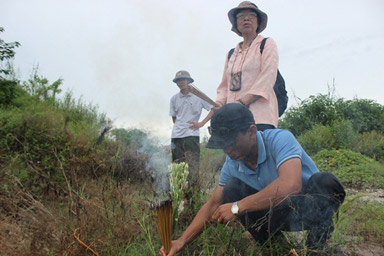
x=123, y=55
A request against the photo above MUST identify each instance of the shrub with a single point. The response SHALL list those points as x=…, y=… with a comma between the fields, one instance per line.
x=364, y=115
x=316, y=110
x=338, y=135
x=131, y=137
x=7, y=91
x=371, y=144
x=353, y=169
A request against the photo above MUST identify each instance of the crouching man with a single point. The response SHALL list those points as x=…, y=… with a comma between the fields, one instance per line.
x=267, y=181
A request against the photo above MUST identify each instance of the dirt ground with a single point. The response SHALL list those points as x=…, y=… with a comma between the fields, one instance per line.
x=368, y=250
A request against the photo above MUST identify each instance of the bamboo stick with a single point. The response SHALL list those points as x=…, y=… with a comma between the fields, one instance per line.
x=193, y=89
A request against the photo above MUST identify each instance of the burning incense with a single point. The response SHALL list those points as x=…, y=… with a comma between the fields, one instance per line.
x=201, y=95
x=165, y=223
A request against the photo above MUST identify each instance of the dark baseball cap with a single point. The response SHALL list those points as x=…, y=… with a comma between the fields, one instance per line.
x=226, y=124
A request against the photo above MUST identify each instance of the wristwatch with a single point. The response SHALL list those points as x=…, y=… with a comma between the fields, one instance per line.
x=235, y=208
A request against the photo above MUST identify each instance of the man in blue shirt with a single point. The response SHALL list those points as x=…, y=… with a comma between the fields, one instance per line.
x=267, y=181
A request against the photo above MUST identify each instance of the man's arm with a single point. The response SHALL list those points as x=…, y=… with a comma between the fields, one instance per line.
x=198, y=125
x=288, y=183
x=201, y=220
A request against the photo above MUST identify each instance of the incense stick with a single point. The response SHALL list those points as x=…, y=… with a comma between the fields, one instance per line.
x=201, y=95
x=165, y=223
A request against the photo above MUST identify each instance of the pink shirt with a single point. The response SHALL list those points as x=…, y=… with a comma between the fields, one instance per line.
x=258, y=77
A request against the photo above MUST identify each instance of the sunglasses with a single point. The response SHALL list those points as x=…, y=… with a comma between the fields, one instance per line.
x=241, y=15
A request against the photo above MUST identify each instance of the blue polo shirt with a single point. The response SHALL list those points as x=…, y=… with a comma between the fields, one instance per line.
x=275, y=147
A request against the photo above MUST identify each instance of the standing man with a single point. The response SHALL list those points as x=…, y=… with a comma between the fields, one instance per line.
x=185, y=110
x=268, y=182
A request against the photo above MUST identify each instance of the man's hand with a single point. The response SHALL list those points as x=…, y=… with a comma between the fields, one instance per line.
x=223, y=214
x=196, y=125
x=176, y=246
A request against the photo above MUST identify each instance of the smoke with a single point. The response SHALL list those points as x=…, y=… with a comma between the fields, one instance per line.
x=158, y=160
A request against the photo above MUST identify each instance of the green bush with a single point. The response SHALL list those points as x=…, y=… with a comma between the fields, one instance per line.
x=364, y=115
x=46, y=139
x=317, y=139
x=371, y=144
x=316, y=110
x=353, y=169
x=131, y=137
x=7, y=91
x=338, y=135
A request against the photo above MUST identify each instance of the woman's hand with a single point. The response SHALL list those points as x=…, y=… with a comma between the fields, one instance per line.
x=176, y=246
x=223, y=214
x=217, y=107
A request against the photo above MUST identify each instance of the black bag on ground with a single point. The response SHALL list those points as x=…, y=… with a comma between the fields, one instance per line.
x=279, y=87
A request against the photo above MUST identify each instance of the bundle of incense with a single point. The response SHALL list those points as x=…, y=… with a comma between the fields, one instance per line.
x=201, y=95
x=165, y=223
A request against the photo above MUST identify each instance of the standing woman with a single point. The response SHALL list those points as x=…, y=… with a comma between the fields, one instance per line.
x=249, y=76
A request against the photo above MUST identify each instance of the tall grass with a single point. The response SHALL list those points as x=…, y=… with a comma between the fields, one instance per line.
x=67, y=188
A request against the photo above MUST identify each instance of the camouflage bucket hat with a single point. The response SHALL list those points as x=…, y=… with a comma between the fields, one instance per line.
x=182, y=74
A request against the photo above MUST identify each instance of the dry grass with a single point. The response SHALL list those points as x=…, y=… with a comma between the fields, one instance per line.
x=98, y=217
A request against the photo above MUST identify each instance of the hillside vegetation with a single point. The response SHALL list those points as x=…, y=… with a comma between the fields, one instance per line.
x=72, y=184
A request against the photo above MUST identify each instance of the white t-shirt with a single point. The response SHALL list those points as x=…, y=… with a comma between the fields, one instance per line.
x=186, y=109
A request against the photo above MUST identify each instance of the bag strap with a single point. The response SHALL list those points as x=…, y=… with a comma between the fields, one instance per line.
x=262, y=45
x=230, y=53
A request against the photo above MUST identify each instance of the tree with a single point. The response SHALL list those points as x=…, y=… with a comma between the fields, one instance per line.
x=7, y=87
x=7, y=52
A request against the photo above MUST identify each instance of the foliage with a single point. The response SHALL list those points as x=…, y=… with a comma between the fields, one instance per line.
x=364, y=115
x=353, y=169
x=7, y=52
x=178, y=173
x=7, y=86
x=210, y=163
x=371, y=144
x=316, y=110
x=7, y=91
x=38, y=87
x=78, y=112
x=130, y=137
x=47, y=136
x=337, y=135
